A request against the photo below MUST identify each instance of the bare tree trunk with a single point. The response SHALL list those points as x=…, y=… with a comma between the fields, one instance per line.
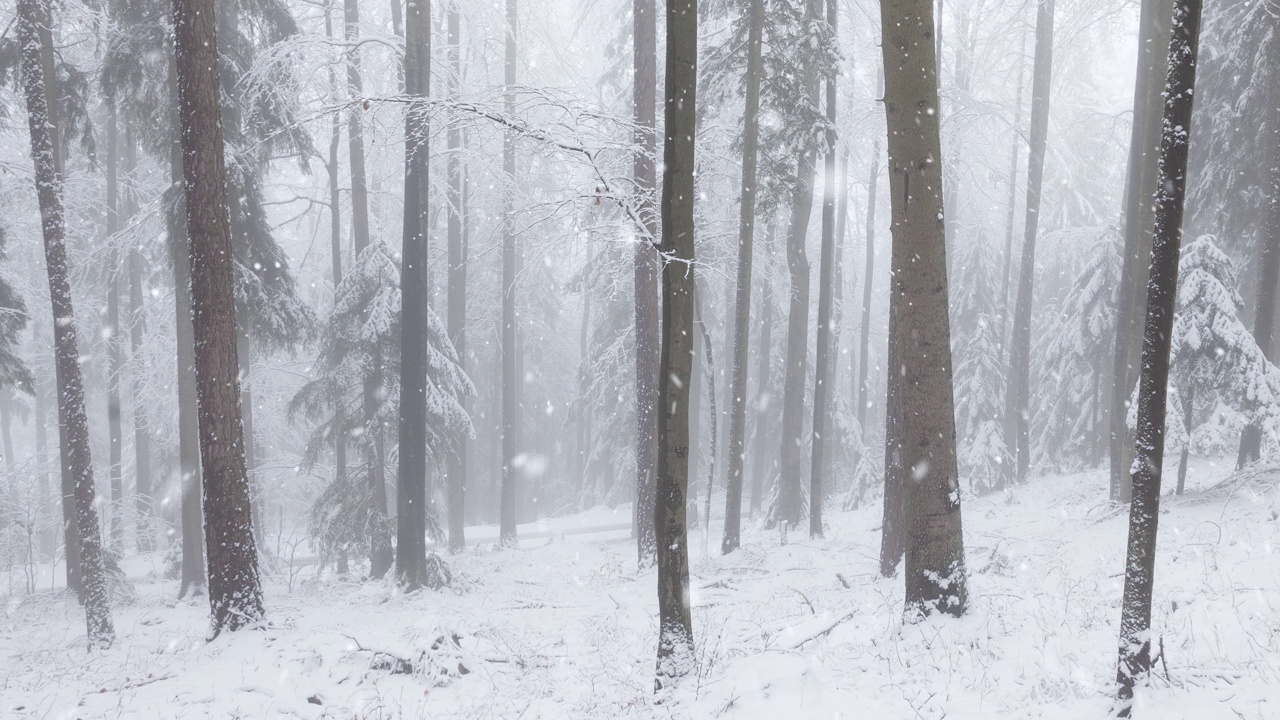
x=763, y=385
x=137, y=330
x=1013, y=197
x=1019, y=392
x=826, y=268
x=1153, y=386
x=935, y=573
x=335, y=250
x=411, y=494
x=864, y=392
x=675, y=622
x=1139, y=215
x=893, y=540
x=457, y=468
x=48, y=539
x=244, y=354
x=1187, y=407
x=699, y=287
x=115, y=359
x=32, y=15
x=235, y=593
x=644, y=108
x=6, y=430
x=1264, y=319
x=510, y=365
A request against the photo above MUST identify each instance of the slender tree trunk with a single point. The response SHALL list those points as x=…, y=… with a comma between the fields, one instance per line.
x=510, y=365
x=235, y=593
x=645, y=141
x=1019, y=392
x=1264, y=319
x=6, y=430
x=115, y=359
x=675, y=622
x=711, y=407
x=1012, y=203
x=335, y=252
x=935, y=574
x=137, y=330
x=1153, y=386
x=32, y=15
x=864, y=343
x=244, y=354
x=1139, y=215
x=457, y=468
x=48, y=539
x=1187, y=407
x=411, y=495
x=763, y=384
x=893, y=540
x=826, y=269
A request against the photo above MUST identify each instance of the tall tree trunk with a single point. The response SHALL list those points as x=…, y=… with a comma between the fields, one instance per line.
x=645, y=141
x=6, y=430
x=1019, y=393
x=1153, y=386
x=864, y=343
x=1012, y=203
x=137, y=330
x=244, y=354
x=115, y=359
x=411, y=494
x=675, y=621
x=457, y=468
x=1139, y=216
x=32, y=15
x=791, y=452
x=763, y=384
x=826, y=269
x=235, y=593
x=1264, y=319
x=48, y=538
x=893, y=540
x=699, y=291
x=935, y=574
x=335, y=249
x=510, y=365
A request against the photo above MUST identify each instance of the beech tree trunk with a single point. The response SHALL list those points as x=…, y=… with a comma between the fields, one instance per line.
x=411, y=493
x=1153, y=385
x=1139, y=216
x=676, y=657
x=510, y=361
x=235, y=594
x=1019, y=391
x=935, y=573
x=826, y=268
x=645, y=140
x=457, y=462
x=77, y=463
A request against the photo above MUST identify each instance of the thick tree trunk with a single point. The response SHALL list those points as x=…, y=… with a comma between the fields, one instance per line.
x=1153, y=385
x=457, y=467
x=764, y=370
x=644, y=108
x=1139, y=216
x=864, y=342
x=411, y=493
x=675, y=621
x=826, y=269
x=1017, y=409
x=935, y=573
x=510, y=365
x=235, y=593
x=32, y=15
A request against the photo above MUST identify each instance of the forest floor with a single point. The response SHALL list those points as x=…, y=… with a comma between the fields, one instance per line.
x=565, y=628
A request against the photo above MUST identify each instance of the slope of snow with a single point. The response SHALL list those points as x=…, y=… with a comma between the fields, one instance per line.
x=565, y=628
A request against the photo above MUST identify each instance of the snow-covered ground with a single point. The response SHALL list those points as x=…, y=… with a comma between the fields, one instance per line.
x=565, y=628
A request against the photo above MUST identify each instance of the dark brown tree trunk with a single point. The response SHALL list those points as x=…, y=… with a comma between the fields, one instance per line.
x=457, y=468
x=411, y=492
x=645, y=140
x=1153, y=384
x=1139, y=215
x=826, y=270
x=675, y=622
x=32, y=16
x=235, y=593
x=1017, y=409
x=510, y=364
x=764, y=384
x=935, y=573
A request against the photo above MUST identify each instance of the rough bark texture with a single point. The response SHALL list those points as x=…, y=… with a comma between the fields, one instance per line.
x=742, y=306
x=32, y=15
x=826, y=269
x=676, y=657
x=235, y=593
x=1139, y=214
x=935, y=574
x=510, y=364
x=1017, y=409
x=411, y=491
x=645, y=140
x=457, y=462
x=1153, y=384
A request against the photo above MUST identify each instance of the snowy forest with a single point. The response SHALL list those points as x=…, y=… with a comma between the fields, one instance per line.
x=639, y=359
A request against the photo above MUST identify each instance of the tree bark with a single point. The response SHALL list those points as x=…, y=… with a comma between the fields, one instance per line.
x=1012, y=204
x=115, y=359
x=892, y=538
x=1019, y=392
x=675, y=622
x=510, y=364
x=1153, y=386
x=32, y=16
x=137, y=330
x=826, y=268
x=864, y=343
x=457, y=467
x=411, y=494
x=1139, y=215
x=763, y=384
x=645, y=141
x=235, y=593
x=335, y=250
x=1187, y=408
x=935, y=574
